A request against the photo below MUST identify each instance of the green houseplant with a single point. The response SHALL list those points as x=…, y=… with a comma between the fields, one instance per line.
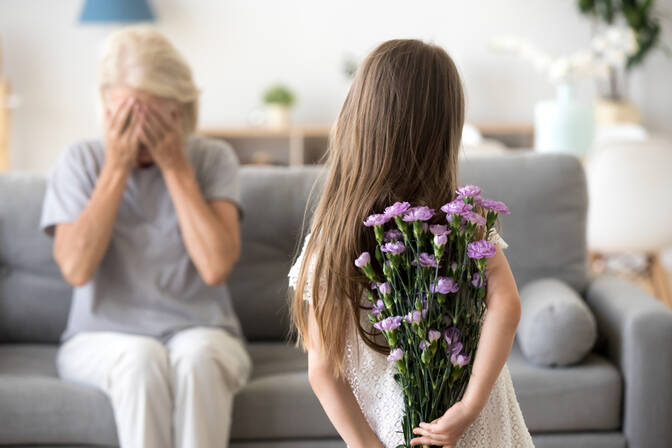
x=640, y=18
x=279, y=100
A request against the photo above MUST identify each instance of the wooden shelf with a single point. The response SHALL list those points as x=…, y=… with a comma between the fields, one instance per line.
x=322, y=130
x=266, y=132
x=4, y=125
x=296, y=135
x=4, y=118
x=504, y=128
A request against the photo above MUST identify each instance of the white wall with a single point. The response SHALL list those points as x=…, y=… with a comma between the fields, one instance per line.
x=238, y=47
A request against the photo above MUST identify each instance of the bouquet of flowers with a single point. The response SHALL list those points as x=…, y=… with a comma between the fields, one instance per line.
x=428, y=286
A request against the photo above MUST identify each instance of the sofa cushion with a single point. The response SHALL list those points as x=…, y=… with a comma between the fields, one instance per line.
x=545, y=193
x=547, y=197
x=40, y=408
x=556, y=326
x=274, y=200
x=37, y=407
x=34, y=299
x=280, y=396
x=303, y=443
x=601, y=439
x=584, y=397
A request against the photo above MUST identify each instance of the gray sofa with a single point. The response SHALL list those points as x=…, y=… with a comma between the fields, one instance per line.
x=621, y=395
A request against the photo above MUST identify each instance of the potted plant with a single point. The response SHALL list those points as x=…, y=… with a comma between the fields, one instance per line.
x=623, y=51
x=279, y=100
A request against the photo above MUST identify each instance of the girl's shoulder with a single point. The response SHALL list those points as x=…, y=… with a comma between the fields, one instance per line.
x=497, y=240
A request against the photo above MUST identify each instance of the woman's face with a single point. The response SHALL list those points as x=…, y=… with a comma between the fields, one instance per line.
x=115, y=96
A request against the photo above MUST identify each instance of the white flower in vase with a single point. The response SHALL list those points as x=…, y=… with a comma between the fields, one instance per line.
x=563, y=124
x=582, y=64
x=613, y=48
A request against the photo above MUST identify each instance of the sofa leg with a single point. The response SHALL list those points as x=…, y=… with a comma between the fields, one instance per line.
x=660, y=280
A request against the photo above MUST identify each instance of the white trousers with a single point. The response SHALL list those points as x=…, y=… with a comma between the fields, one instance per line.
x=178, y=395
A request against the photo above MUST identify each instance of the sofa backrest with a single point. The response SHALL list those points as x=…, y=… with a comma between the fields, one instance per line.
x=274, y=202
x=34, y=299
x=545, y=232
x=548, y=200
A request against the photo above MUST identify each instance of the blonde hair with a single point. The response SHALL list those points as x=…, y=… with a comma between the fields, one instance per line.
x=397, y=138
x=142, y=58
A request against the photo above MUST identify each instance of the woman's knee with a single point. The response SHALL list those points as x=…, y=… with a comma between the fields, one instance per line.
x=200, y=356
x=143, y=360
x=214, y=354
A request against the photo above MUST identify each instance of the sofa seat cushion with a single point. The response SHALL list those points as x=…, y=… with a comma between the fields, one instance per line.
x=583, y=397
x=39, y=408
x=278, y=402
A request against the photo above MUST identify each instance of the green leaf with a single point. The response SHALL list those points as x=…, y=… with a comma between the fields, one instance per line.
x=279, y=94
x=586, y=6
x=638, y=14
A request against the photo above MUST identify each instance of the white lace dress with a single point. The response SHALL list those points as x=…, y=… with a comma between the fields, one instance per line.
x=370, y=375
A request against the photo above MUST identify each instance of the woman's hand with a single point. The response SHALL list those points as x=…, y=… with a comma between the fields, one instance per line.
x=446, y=430
x=161, y=132
x=121, y=135
x=79, y=245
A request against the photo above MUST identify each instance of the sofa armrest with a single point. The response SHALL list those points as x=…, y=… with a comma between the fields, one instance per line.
x=636, y=332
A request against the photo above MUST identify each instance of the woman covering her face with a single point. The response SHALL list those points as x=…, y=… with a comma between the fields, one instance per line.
x=146, y=228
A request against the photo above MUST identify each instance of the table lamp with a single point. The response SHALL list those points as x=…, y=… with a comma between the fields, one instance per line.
x=629, y=184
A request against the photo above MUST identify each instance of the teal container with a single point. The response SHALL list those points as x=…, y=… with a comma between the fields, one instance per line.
x=565, y=124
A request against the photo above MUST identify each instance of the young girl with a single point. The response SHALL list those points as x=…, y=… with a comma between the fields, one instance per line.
x=397, y=138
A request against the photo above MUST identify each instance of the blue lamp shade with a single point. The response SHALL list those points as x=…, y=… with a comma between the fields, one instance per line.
x=106, y=11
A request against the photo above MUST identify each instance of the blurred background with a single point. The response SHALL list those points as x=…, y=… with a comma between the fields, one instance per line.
x=238, y=48
x=591, y=79
x=586, y=77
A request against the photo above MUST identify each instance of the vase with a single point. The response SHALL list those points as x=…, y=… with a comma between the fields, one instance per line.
x=278, y=116
x=564, y=124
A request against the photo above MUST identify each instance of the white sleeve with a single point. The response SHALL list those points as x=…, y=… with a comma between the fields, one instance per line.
x=293, y=274
x=497, y=240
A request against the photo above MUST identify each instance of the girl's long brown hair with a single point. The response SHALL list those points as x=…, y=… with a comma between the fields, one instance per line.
x=397, y=138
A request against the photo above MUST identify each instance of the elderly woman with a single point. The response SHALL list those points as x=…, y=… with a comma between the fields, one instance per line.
x=145, y=227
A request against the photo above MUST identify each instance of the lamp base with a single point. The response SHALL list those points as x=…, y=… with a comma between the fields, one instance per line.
x=611, y=112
